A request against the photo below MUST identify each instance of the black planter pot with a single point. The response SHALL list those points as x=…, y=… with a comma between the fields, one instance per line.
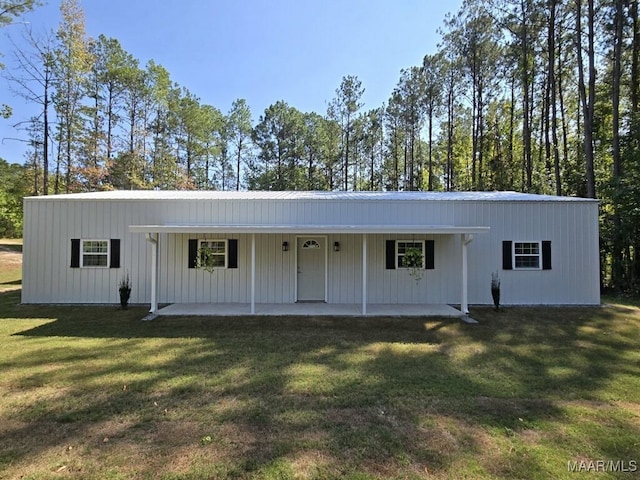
x=495, y=293
x=125, y=294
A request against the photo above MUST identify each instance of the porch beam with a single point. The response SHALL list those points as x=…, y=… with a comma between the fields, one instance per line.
x=464, y=303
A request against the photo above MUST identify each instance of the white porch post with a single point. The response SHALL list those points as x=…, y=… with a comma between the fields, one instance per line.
x=154, y=270
x=464, y=303
x=364, y=273
x=253, y=273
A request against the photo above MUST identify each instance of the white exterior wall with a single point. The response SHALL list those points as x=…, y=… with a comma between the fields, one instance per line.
x=440, y=285
x=50, y=224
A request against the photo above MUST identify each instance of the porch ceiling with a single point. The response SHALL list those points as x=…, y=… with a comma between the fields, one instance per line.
x=309, y=229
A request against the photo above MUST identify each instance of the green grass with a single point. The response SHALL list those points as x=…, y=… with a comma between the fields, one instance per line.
x=93, y=392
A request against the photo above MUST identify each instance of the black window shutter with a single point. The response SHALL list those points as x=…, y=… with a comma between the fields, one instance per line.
x=429, y=255
x=391, y=255
x=546, y=255
x=232, y=261
x=114, y=261
x=75, y=253
x=193, y=253
x=507, y=258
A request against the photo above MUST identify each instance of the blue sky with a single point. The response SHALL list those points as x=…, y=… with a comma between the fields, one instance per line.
x=261, y=50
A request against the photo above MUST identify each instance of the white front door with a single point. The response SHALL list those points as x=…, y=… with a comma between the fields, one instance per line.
x=311, y=269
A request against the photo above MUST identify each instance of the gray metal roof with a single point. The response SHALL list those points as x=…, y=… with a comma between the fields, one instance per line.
x=154, y=195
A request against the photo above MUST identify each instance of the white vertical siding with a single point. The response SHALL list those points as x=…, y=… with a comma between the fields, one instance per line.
x=394, y=286
x=572, y=230
x=50, y=224
x=345, y=269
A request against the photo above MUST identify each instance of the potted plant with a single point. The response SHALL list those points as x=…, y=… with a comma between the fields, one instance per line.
x=205, y=258
x=124, y=287
x=414, y=261
x=495, y=290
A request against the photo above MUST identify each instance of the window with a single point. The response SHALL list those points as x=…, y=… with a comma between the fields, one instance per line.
x=404, y=246
x=526, y=255
x=223, y=253
x=95, y=253
x=310, y=244
x=217, y=252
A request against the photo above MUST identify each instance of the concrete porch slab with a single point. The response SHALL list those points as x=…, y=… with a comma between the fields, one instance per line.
x=311, y=309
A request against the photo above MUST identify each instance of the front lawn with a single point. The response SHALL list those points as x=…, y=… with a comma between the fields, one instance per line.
x=96, y=393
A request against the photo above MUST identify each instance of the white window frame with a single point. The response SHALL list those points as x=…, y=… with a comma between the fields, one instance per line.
x=106, y=254
x=422, y=247
x=225, y=241
x=515, y=255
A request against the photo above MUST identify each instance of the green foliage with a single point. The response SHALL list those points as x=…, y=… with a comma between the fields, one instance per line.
x=5, y=111
x=11, y=9
x=278, y=138
x=239, y=130
x=205, y=258
x=414, y=260
x=13, y=187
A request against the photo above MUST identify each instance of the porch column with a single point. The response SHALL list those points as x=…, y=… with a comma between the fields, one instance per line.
x=153, y=239
x=464, y=303
x=364, y=274
x=253, y=273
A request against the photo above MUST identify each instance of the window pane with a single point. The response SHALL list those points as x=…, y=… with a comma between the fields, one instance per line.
x=94, y=260
x=217, y=247
x=526, y=255
x=217, y=252
x=217, y=260
x=95, y=253
x=404, y=247
x=527, y=261
x=527, y=248
x=97, y=246
x=214, y=246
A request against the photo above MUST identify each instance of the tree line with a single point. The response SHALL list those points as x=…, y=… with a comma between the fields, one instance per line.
x=536, y=96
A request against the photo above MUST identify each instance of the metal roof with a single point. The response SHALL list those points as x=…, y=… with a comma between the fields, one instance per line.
x=177, y=195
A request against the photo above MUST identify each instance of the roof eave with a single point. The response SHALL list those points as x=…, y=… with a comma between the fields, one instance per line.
x=310, y=229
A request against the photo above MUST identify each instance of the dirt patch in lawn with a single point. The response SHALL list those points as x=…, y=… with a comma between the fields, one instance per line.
x=10, y=268
x=9, y=256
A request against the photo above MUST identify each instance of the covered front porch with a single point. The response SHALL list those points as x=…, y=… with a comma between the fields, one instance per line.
x=261, y=255
x=309, y=309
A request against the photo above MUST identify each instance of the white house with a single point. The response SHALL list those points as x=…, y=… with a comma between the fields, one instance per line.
x=332, y=247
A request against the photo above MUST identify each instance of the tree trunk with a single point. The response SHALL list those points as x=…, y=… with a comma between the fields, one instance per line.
x=238, y=157
x=618, y=266
x=56, y=188
x=526, y=124
x=587, y=99
x=346, y=155
x=635, y=61
x=512, y=115
x=563, y=120
x=430, y=185
x=553, y=98
x=45, y=146
x=109, y=123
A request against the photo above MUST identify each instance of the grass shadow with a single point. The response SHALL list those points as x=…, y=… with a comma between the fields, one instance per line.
x=327, y=397
x=14, y=247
